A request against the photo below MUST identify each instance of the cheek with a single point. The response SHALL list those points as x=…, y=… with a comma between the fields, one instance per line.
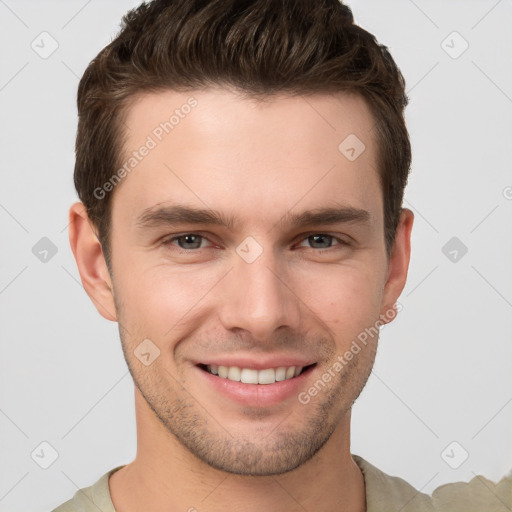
x=346, y=299
x=160, y=299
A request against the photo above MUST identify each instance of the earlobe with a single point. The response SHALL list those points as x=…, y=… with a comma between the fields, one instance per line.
x=91, y=261
x=398, y=265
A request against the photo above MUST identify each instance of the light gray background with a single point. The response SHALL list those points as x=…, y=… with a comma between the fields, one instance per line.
x=443, y=369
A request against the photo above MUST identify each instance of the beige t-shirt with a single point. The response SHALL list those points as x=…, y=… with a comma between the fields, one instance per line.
x=384, y=493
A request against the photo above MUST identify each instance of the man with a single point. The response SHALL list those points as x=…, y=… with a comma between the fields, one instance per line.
x=241, y=168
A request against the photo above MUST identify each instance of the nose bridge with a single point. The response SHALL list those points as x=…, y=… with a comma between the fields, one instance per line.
x=259, y=299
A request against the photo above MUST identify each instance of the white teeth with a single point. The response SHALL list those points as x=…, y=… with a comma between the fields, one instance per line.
x=234, y=373
x=280, y=373
x=251, y=376
x=267, y=376
x=248, y=376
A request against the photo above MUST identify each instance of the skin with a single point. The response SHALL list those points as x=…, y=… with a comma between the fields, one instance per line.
x=196, y=299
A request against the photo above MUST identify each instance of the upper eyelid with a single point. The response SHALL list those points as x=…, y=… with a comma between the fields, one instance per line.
x=172, y=238
x=335, y=237
x=297, y=239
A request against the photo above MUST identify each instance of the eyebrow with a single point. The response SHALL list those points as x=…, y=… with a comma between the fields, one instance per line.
x=180, y=214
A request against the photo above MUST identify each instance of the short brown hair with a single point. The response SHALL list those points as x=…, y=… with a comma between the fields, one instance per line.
x=259, y=47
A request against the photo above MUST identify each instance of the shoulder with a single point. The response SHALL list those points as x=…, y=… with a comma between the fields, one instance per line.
x=93, y=498
x=476, y=495
x=387, y=492
x=66, y=507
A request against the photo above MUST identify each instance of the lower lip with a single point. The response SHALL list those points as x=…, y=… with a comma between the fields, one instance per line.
x=257, y=395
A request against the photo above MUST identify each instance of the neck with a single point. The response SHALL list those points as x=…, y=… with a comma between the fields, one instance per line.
x=165, y=476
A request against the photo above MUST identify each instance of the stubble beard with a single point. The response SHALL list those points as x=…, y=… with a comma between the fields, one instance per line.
x=268, y=452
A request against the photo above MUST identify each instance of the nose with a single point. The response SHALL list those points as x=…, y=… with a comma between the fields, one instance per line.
x=259, y=297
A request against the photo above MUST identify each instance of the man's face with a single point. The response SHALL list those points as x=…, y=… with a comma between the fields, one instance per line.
x=260, y=294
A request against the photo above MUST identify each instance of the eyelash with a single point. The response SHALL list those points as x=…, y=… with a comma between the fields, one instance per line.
x=341, y=242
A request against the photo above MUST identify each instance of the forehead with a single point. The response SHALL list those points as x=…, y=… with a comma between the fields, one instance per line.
x=216, y=148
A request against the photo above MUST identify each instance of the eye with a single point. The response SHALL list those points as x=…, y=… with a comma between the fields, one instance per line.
x=323, y=241
x=186, y=241
x=193, y=241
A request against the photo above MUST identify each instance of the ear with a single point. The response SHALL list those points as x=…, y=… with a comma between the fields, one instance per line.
x=398, y=265
x=91, y=261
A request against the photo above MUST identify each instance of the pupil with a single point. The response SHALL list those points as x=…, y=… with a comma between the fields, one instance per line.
x=316, y=237
x=189, y=239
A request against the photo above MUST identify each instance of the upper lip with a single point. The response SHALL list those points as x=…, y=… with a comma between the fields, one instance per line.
x=259, y=363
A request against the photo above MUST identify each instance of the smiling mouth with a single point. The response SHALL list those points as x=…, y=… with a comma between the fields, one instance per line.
x=253, y=376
